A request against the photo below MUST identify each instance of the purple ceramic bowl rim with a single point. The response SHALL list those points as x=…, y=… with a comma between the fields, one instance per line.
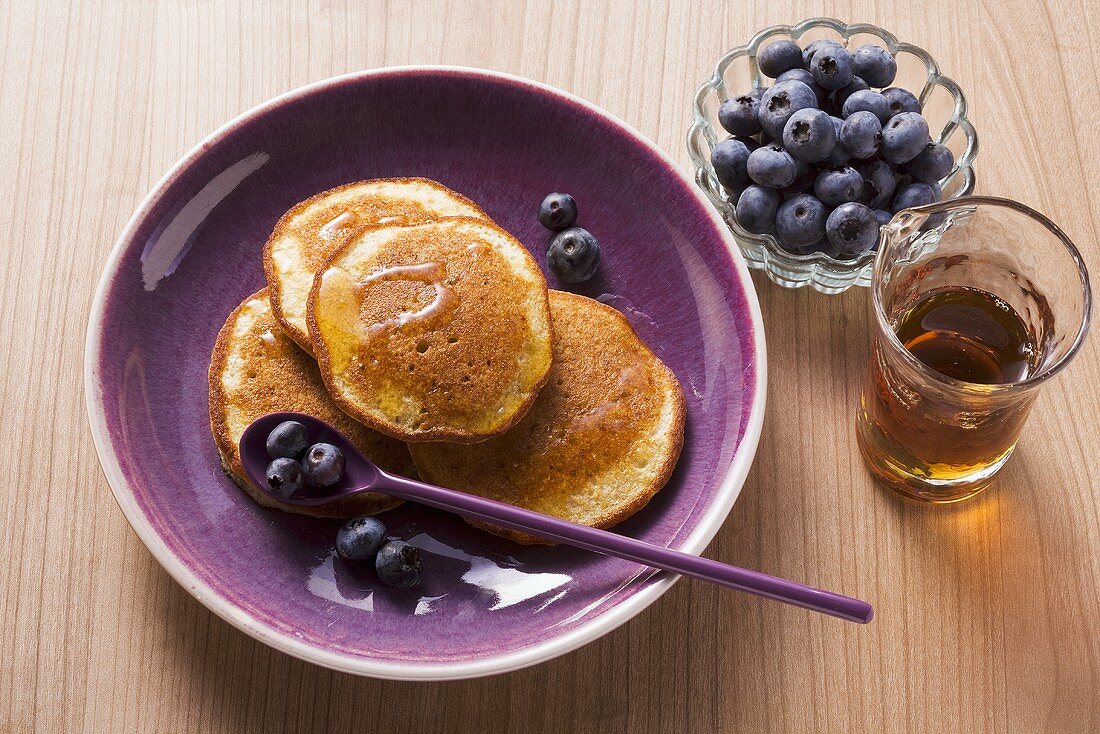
x=600, y=625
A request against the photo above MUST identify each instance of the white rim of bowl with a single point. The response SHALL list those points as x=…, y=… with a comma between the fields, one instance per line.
x=584, y=633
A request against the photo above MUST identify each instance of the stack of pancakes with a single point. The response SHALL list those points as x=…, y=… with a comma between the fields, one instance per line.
x=398, y=311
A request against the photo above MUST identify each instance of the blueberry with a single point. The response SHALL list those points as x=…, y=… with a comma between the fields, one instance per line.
x=882, y=216
x=800, y=220
x=814, y=47
x=869, y=101
x=809, y=135
x=916, y=194
x=756, y=209
x=360, y=538
x=838, y=156
x=323, y=465
x=861, y=134
x=832, y=67
x=875, y=64
x=933, y=163
x=558, y=211
x=801, y=75
x=739, y=115
x=756, y=92
x=287, y=440
x=837, y=99
x=781, y=101
x=903, y=137
x=838, y=184
x=728, y=158
x=901, y=100
x=878, y=183
x=852, y=229
x=804, y=178
x=398, y=564
x=772, y=167
x=574, y=255
x=284, y=476
x=779, y=56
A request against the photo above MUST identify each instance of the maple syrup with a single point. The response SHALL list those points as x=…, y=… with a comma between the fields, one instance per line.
x=967, y=334
x=912, y=424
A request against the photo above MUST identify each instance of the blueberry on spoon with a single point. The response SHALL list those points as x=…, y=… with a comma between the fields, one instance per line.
x=284, y=477
x=288, y=440
x=323, y=465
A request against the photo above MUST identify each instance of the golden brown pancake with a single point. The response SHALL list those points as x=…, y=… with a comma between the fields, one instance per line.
x=601, y=439
x=434, y=332
x=307, y=235
x=255, y=370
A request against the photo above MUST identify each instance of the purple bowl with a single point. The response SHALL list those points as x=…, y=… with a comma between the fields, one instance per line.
x=191, y=252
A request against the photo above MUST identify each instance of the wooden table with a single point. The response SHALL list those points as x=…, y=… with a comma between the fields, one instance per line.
x=988, y=612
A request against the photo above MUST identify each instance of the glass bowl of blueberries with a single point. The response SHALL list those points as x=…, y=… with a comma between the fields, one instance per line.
x=811, y=137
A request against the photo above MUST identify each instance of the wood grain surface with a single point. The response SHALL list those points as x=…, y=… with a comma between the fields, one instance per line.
x=988, y=612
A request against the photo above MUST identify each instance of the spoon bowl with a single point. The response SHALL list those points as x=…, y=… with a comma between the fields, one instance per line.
x=359, y=471
x=362, y=475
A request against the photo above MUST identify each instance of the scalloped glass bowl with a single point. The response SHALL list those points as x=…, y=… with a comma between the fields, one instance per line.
x=736, y=72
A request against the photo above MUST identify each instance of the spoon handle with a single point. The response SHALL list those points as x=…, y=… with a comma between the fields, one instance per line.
x=621, y=546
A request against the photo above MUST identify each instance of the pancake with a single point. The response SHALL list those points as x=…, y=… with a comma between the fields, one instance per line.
x=307, y=235
x=434, y=332
x=255, y=370
x=603, y=436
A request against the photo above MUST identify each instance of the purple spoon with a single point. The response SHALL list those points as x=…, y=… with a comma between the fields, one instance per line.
x=362, y=475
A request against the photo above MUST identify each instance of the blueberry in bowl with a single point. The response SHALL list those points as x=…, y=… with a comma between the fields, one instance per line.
x=740, y=115
x=838, y=185
x=852, y=229
x=855, y=117
x=781, y=101
x=861, y=134
x=729, y=160
x=809, y=135
x=772, y=166
x=832, y=67
x=800, y=220
x=756, y=208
